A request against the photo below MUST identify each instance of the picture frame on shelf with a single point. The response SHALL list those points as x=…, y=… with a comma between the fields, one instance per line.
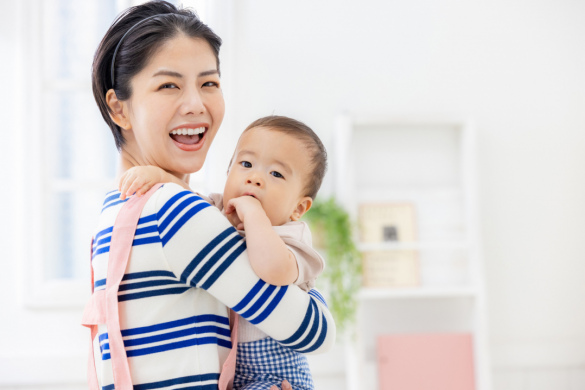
x=387, y=222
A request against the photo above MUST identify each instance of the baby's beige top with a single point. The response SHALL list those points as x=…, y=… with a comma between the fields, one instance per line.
x=297, y=237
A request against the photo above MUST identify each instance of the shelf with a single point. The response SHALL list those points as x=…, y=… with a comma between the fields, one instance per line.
x=397, y=246
x=367, y=294
x=428, y=163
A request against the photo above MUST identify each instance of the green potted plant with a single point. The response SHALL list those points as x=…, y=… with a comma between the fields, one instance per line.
x=332, y=230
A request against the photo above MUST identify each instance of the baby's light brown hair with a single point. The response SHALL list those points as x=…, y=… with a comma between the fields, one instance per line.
x=305, y=134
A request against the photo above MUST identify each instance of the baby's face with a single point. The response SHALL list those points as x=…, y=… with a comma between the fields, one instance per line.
x=273, y=167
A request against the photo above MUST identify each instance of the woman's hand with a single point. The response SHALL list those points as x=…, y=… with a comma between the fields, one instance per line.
x=285, y=386
x=138, y=180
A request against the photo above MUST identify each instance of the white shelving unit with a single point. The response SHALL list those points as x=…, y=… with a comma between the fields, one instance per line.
x=430, y=163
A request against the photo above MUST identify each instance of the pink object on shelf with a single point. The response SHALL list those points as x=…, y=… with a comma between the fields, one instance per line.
x=442, y=361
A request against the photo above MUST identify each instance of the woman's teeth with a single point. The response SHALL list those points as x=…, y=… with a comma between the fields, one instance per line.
x=186, y=131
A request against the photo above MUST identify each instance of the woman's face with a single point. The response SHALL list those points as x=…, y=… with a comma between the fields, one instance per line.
x=176, y=107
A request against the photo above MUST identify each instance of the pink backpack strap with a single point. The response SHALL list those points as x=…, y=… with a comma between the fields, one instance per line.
x=103, y=305
x=228, y=371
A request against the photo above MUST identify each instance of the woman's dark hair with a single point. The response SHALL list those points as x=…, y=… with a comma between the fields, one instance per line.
x=305, y=134
x=137, y=47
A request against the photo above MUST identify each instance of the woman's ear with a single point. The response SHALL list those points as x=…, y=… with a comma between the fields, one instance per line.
x=118, y=111
x=303, y=206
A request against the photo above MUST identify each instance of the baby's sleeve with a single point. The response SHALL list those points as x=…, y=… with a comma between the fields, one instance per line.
x=297, y=237
x=213, y=199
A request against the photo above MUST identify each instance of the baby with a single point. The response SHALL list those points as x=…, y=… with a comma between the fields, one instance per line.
x=275, y=173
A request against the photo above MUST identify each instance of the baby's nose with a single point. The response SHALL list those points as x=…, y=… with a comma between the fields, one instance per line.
x=254, y=181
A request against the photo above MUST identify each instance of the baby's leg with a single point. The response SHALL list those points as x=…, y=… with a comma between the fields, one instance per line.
x=263, y=363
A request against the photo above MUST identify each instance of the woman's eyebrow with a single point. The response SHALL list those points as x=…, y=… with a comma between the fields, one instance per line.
x=209, y=72
x=164, y=72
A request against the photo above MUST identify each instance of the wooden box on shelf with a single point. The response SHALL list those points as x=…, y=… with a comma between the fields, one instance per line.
x=397, y=268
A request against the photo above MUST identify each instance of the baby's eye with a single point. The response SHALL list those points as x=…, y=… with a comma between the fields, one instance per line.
x=276, y=174
x=246, y=164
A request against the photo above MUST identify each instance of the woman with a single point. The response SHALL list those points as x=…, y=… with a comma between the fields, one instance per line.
x=156, y=81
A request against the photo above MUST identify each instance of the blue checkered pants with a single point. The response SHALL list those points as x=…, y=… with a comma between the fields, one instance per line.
x=263, y=363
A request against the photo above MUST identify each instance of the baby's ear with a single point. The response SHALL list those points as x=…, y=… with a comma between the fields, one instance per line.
x=303, y=206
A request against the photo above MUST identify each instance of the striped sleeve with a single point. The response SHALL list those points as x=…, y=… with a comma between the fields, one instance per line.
x=202, y=247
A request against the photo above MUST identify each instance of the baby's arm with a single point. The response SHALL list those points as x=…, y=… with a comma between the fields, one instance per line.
x=270, y=258
x=141, y=179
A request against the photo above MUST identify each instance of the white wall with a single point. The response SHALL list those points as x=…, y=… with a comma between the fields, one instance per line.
x=516, y=68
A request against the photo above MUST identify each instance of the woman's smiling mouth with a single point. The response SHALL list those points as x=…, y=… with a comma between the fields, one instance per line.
x=188, y=136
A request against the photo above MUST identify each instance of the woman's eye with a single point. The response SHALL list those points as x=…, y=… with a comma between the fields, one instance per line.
x=168, y=86
x=246, y=164
x=276, y=174
x=211, y=84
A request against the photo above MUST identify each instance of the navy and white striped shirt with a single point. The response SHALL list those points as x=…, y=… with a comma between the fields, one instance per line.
x=187, y=265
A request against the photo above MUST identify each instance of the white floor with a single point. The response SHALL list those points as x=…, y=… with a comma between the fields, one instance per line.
x=503, y=379
x=539, y=379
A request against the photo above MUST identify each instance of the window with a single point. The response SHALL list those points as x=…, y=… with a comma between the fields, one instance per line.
x=79, y=156
x=70, y=156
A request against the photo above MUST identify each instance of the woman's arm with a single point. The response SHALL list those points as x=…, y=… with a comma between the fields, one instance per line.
x=269, y=257
x=205, y=251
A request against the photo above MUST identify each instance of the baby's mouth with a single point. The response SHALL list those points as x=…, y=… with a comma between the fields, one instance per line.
x=188, y=136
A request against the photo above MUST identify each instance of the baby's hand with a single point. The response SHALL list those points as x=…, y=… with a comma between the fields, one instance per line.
x=140, y=179
x=285, y=386
x=238, y=209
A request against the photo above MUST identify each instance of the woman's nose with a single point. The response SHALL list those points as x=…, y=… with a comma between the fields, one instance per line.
x=192, y=103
